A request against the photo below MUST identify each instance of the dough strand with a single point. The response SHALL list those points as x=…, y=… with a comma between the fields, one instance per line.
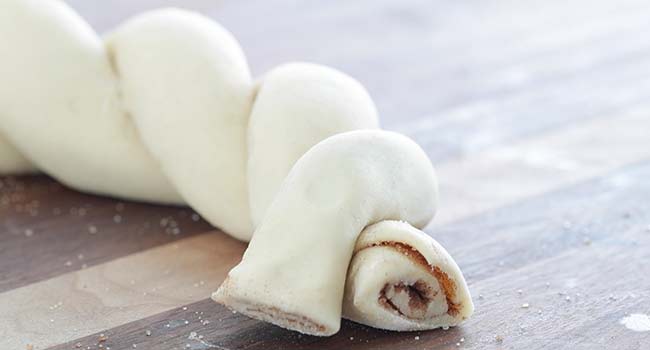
x=164, y=110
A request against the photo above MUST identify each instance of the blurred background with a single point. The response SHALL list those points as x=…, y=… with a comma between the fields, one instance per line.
x=473, y=69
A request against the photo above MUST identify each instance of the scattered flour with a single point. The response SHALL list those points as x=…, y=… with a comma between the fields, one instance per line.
x=637, y=322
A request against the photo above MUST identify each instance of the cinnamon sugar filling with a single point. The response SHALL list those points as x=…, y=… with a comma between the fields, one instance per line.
x=419, y=294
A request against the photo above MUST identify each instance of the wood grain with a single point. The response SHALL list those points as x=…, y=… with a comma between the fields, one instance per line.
x=48, y=230
x=527, y=109
x=501, y=175
x=571, y=146
x=559, y=267
x=128, y=288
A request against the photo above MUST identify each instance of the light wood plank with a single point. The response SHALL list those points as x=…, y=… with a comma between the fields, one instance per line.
x=122, y=290
x=505, y=174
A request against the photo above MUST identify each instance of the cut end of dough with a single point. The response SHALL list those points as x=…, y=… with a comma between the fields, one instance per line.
x=270, y=314
x=417, y=300
x=401, y=279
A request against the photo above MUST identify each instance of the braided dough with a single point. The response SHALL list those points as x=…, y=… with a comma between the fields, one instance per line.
x=164, y=110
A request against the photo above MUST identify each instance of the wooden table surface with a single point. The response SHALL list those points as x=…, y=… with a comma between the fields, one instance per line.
x=535, y=114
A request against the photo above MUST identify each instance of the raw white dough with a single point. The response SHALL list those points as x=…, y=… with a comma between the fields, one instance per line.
x=414, y=294
x=60, y=105
x=164, y=110
x=11, y=161
x=187, y=86
x=294, y=271
x=298, y=105
x=160, y=111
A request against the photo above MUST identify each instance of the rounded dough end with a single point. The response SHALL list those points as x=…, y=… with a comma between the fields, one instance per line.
x=401, y=279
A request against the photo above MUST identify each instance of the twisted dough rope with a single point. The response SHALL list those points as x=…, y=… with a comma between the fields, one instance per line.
x=164, y=110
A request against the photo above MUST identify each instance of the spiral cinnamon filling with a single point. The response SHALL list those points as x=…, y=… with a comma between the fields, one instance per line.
x=413, y=300
x=410, y=301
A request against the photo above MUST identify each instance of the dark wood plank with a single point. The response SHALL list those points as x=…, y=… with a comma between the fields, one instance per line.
x=47, y=230
x=558, y=270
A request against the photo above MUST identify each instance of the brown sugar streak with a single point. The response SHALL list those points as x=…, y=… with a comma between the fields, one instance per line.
x=418, y=291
